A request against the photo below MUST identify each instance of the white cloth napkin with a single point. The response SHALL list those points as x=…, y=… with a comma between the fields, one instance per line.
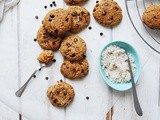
x=5, y=5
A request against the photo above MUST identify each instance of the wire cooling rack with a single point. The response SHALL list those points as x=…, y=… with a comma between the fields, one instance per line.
x=135, y=9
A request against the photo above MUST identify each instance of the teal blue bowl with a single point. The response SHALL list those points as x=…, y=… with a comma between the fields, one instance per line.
x=130, y=50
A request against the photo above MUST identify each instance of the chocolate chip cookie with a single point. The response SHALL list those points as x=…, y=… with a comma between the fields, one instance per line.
x=73, y=2
x=73, y=48
x=151, y=16
x=107, y=13
x=76, y=69
x=46, y=56
x=80, y=18
x=48, y=41
x=57, y=22
x=60, y=94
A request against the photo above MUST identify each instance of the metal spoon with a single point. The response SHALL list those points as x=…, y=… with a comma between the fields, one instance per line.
x=135, y=97
x=21, y=90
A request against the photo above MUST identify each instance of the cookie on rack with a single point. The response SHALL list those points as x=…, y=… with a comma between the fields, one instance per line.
x=46, y=56
x=73, y=2
x=107, y=13
x=73, y=48
x=74, y=70
x=48, y=41
x=57, y=22
x=80, y=18
x=151, y=16
x=61, y=94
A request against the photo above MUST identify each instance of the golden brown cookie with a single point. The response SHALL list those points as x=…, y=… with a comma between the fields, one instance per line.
x=60, y=94
x=48, y=41
x=107, y=13
x=80, y=18
x=76, y=69
x=57, y=22
x=73, y=48
x=46, y=56
x=73, y=2
x=151, y=16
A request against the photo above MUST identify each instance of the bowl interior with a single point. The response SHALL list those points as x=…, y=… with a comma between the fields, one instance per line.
x=130, y=50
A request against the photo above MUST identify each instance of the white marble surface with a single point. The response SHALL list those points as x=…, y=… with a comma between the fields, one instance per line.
x=18, y=60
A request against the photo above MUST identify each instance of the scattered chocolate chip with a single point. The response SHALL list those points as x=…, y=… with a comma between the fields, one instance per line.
x=101, y=34
x=35, y=39
x=34, y=76
x=61, y=80
x=45, y=7
x=89, y=27
x=39, y=69
x=103, y=13
x=55, y=5
x=73, y=55
x=54, y=60
x=52, y=16
x=51, y=5
x=46, y=78
x=53, y=2
x=106, y=4
x=84, y=56
x=74, y=13
x=36, y=17
x=97, y=1
x=87, y=98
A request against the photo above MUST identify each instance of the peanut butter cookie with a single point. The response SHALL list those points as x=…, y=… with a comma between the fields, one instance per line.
x=76, y=69
x=151, y=16
x=73, y=48
x=80, y=18
x=48, y=41
x=57, y=22
x=60, y=94
x=107, y=13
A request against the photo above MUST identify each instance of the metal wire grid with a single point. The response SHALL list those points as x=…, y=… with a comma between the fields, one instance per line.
x=150, y=32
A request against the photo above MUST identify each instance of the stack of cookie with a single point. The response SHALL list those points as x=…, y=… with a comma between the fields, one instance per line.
x=75, y=65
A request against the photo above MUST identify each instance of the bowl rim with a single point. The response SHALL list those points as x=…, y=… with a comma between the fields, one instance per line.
x=100, y=67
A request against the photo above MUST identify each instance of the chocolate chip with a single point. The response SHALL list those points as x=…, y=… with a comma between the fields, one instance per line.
x=82, y=71
x=45, y=7
x=34, y=76
x=94, y=10
x=75, y=40
x=46, y=78
x=51, y=5
x=55, y=5
x=82, y=12
x=36, y=17
x=80, y=62
x=73, y=55
x=65, y=92
x=87, y=98
x=101, y=34
x=53, y=43
x=68, y=44
x=52, y=16
x=74, y=13
x=111, y=18
x=66, y=19
x=39, y=69
x=56, y=31
x=84, y=56
x=53, y=2
x=61, y=80
x=54, y=60
x=89, y=27
x=103, y=13
x=97, y=1
x=49, y=19
x=55, y=100
x=35, y=39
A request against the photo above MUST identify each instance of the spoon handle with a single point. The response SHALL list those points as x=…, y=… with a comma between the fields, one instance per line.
x=135, y=97
x=21, y=90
